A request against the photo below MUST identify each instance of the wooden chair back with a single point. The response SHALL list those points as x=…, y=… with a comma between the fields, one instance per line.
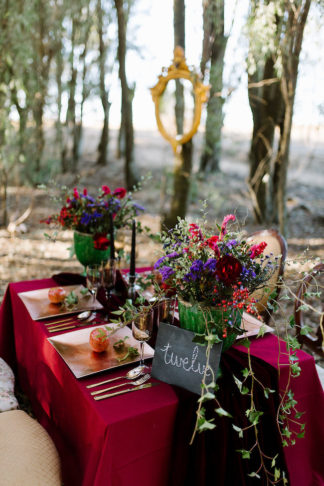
x=276, y=247
x=311, y=281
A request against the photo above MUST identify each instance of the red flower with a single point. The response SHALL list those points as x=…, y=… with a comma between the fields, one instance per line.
x=85, y=192
x=212, y=243
x=75, y=193
x=228, y=269
x=106, y=190
x=229, y=217
x=256, y=250
x=64, y=214
x=120, y=192
x=100, y=242
x=195, y=233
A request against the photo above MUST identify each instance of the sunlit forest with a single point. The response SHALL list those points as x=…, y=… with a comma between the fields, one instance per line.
x=76, y=111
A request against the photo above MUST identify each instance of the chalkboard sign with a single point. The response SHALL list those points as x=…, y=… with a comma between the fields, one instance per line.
x=179, y=361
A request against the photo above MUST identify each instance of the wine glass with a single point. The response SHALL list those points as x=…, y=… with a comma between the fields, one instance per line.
x=94, y=278
x=142, y=328
x=109, y=276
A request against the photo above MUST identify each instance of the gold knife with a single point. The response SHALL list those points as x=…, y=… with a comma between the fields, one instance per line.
x=128, y=390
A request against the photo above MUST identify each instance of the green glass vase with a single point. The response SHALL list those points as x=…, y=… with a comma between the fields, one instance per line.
x=193, y=317
x=85, y=251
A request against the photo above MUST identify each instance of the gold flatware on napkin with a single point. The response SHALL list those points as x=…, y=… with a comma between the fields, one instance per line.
x=55, y=329
x=128, y=390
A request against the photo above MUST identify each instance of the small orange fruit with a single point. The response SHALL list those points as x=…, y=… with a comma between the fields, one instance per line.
x=99, y=340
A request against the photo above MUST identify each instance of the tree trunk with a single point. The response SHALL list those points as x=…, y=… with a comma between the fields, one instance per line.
x=183, y=159
x=130, y=170
x=214, y=46
x=266, y=104
x=272, y=105
x=104, y=139
x=58, y=125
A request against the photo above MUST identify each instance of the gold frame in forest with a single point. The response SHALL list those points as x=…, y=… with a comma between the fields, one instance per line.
x=179, y=70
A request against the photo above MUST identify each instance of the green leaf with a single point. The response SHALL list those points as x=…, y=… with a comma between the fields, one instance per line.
x=238, y=383
x=254, y=475
x=262, y=331
x=212, y=338
x=204, y=424
x=266, y=392
x=301, y=435
x=303, y=307
x=206, y=396
x=245, y=372
x=277, y=474
x=245, y=342
x=273, y=463
x=245, y=454
x=118, y=312
x=245, y=390
x=304, y=330
x=254, y=416
x=239, y=430
x=220, y=411
x=199, y=339
x=292, y=321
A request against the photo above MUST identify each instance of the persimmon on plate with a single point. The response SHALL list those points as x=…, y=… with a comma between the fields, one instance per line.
x=56, y=295
x=99, y=340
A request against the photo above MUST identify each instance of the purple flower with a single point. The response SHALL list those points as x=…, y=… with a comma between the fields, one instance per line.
x=138, y=208
x=210, y=265
x=85, y=218
x=166, y=273
x=174, y=254
x=195, y=271
x=158, y=262
x=231, y=243
x=247, y=273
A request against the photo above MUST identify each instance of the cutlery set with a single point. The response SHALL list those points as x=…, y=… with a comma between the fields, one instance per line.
x=71, y=323
x=138, y=384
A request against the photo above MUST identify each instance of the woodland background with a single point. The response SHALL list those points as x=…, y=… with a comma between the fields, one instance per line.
x=67, y=68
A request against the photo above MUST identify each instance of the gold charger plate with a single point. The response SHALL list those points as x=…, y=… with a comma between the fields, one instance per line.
x=75, y=350
x=39, y=306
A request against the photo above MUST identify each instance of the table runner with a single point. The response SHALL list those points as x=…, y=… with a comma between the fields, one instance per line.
x=91, y=439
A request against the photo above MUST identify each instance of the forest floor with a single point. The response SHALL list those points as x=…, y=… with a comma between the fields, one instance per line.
x=25, y=254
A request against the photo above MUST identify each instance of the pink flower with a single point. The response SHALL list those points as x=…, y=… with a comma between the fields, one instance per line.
x=106, y=190
x=85, y=192
x=120, y=192
x=75, y=193
x=229, y=217
x=256, y=250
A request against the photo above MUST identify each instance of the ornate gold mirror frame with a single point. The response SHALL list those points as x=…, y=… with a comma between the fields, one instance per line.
x=179, y=70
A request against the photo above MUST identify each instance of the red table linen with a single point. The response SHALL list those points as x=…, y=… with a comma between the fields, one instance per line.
x=128, y=439
x=120, y=441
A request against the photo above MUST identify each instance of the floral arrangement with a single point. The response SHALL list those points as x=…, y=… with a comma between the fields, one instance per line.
x=215, y=270
x=87, y=214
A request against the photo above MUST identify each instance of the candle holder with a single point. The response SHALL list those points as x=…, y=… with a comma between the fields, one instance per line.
x=133, y=289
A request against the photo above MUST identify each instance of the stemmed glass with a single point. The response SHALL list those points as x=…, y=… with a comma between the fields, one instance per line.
x=109, y=276
x=142, y=328
x=94, y=278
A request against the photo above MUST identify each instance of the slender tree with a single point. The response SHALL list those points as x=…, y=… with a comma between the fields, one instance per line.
x=104, y=93
x=213, y=53
x=183, y=160
x=126, y=108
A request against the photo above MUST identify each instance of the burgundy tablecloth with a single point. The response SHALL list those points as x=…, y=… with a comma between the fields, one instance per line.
x=117, y=442
x=128, y=440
